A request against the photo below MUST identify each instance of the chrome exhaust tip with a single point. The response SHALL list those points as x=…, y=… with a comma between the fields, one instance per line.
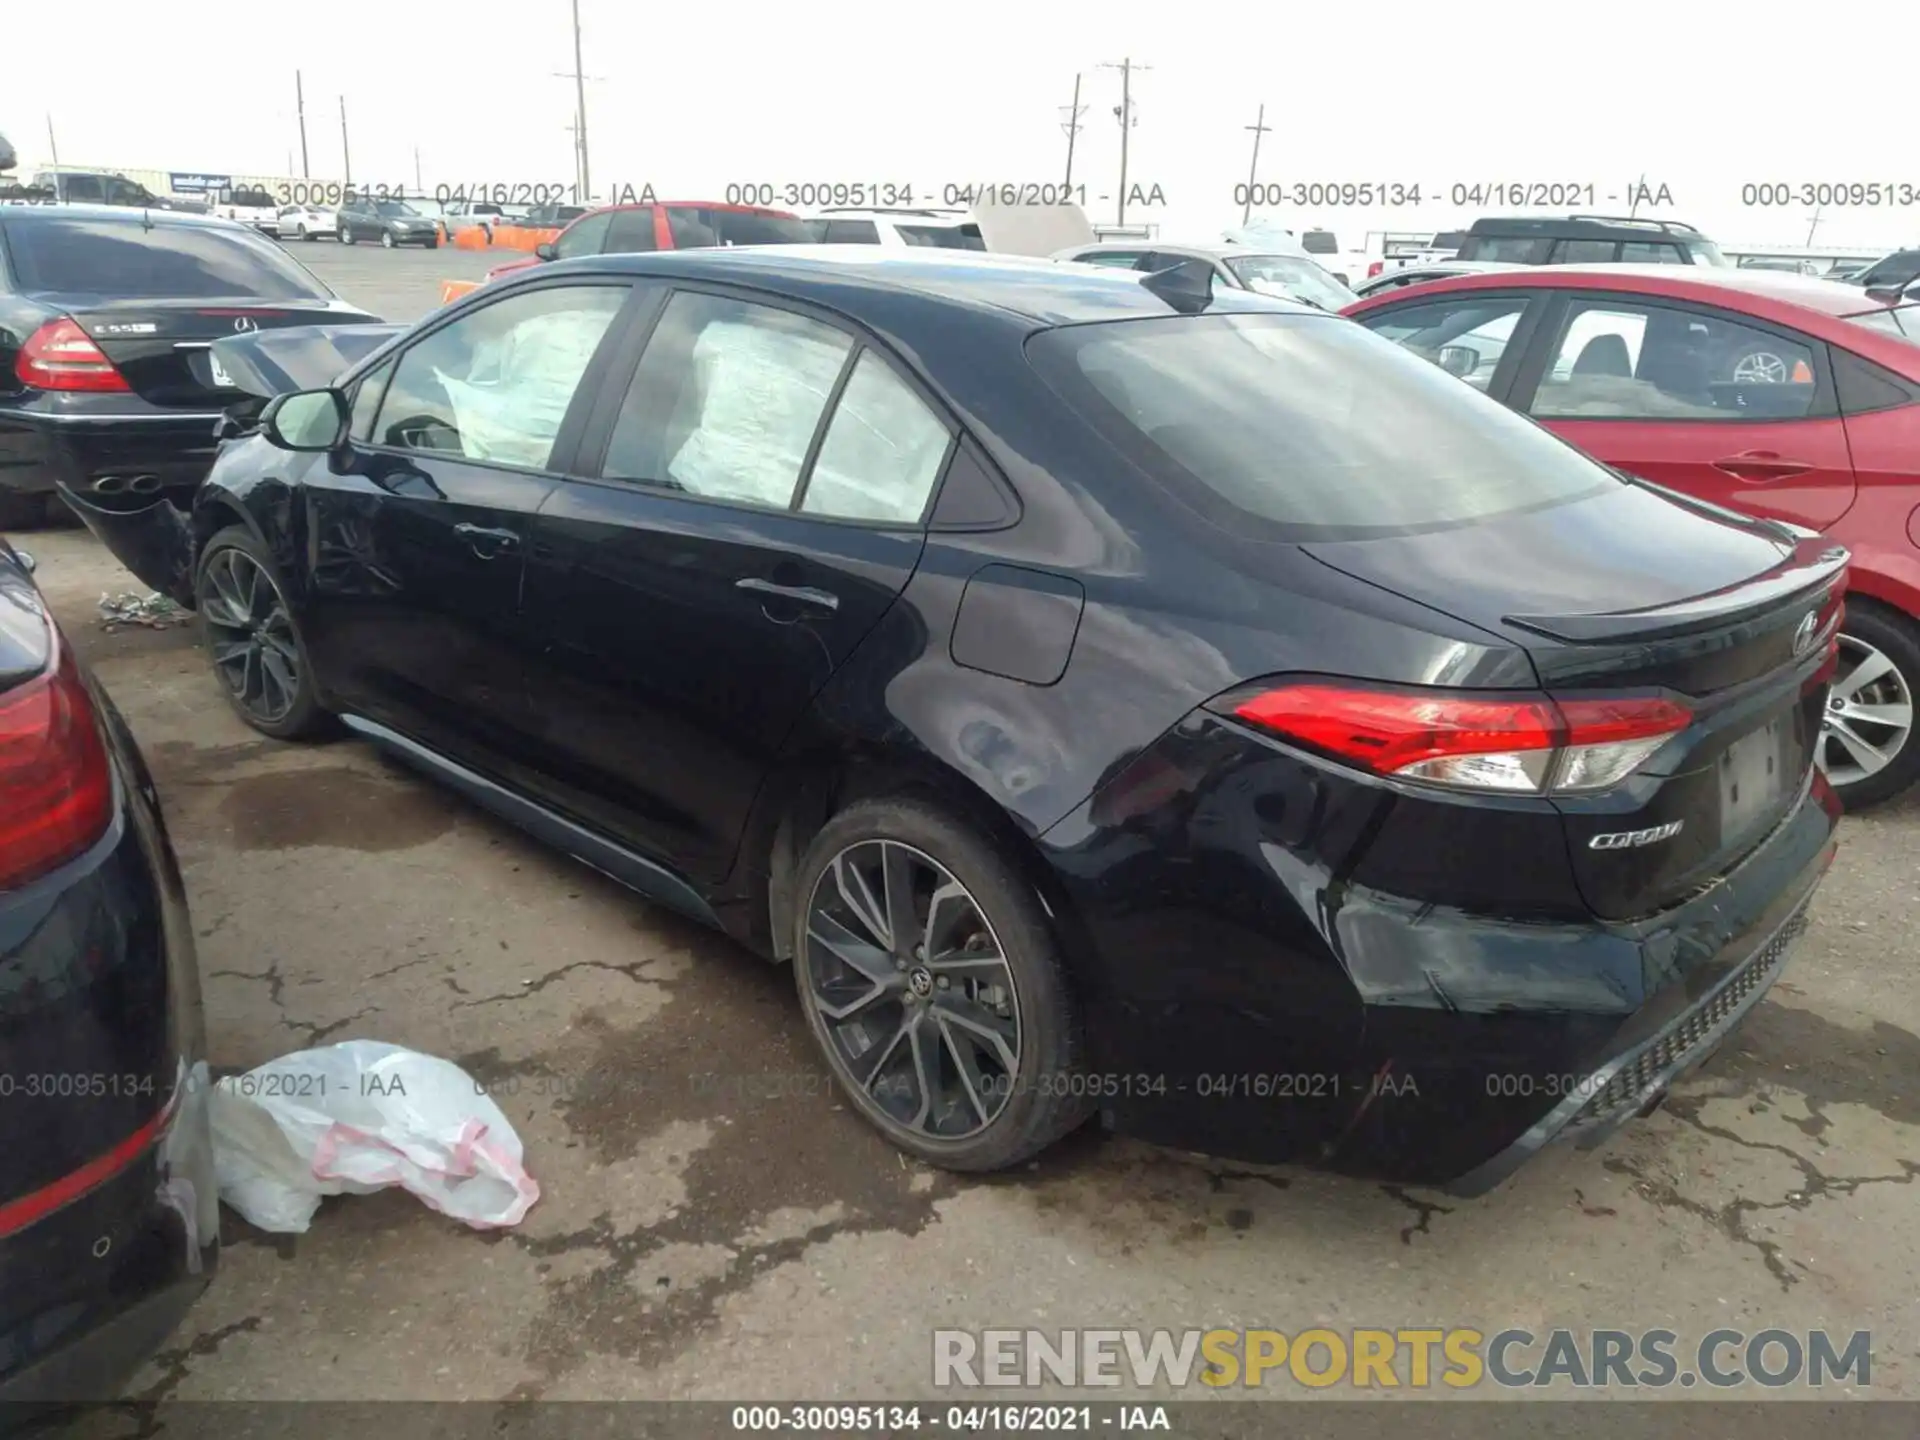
x=144, y=485
x=110, y=485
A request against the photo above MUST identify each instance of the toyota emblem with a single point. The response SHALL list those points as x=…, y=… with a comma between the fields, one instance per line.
x=244, y=323
x=1803, y=637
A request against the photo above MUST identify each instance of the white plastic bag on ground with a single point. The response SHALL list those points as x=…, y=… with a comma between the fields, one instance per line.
x=361, y=1116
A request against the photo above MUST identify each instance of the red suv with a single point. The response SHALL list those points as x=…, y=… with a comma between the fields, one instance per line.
x=668, y=225
x=1781, y=396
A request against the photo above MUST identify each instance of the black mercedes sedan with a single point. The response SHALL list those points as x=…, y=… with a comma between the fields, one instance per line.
x=1110, y=696
x=106, y=314
x=109, y=1221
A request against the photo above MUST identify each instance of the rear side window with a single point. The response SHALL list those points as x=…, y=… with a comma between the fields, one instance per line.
x=1644, y=252
x=102, y=256
x=882, y=452
x=1585, y=252
x=631, y=231
x=1308, y=427
x=691, y=226
x=944, y=237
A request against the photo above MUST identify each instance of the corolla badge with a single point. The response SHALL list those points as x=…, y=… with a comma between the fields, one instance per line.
x=1803, y=637
x=1633, y=839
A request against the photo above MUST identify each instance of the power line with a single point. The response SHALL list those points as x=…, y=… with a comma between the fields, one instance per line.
x=1259, y=128
x=1123, y=112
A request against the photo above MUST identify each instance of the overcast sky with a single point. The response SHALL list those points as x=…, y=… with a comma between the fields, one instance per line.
x=690, y=97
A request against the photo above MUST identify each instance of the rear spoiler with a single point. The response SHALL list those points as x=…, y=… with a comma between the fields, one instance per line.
x=1811, y=571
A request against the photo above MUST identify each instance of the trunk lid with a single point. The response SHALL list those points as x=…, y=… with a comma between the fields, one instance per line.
x=162, y=346
x=268, y=362
x=1635, y=593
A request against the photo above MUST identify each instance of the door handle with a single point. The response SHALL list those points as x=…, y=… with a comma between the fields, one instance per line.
x=802, y=594
x=486, y=542
x=1761, y=465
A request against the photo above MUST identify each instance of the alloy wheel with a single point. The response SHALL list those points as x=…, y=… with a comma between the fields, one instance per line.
x=1869, y=717
x=386, y=238
x=1760, y=367
x=913, y=990
x=250, y=632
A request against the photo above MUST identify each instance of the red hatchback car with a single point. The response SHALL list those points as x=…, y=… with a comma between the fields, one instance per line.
x=1778, y=395
x=667, y=225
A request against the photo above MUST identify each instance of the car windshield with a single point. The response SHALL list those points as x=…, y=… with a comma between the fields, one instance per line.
x=393, y=208
x=1307, y=426
x=1903, y=320
x=1705, y=252
x=1292, y=277
x=125, y=258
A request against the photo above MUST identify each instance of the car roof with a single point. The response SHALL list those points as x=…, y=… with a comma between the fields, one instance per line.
x=862, y=279
x=954, y=218
x=1575, y=227
x=124, y=214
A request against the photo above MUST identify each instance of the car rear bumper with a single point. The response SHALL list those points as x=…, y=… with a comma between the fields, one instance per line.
x=111, y=1208
x=1256, y=991
x=81, y=441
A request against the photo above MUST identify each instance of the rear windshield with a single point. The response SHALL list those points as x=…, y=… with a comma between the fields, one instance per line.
x=1293, y=278
x=1903, y=321
x=945, y=237
x=1309, y=426
x=109, y=256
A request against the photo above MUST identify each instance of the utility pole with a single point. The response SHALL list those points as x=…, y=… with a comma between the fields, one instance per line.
x=418, y=184
x=1072, y=126
x=583, y=177
x=1259, y=128
x=59, y=180
x=1814, y=225
x=346, y=154
x=300, y=108
x=1639, y=189
x=1124, y=113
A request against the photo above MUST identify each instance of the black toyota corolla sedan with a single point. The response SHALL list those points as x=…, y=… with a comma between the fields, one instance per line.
x=109, y=1223
x=1110, y=696
x=106, y=314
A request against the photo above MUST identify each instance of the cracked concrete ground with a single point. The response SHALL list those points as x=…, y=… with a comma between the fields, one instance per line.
x=714, y=1225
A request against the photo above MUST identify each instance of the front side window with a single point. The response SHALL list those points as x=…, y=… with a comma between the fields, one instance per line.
x=584, y=237
x=1506, y=249
x=1306, y=427
x=367, y=393
x=1622, y=360
x=726, y=401
x=1465, y=337
x=495, y=384
x=882, y=452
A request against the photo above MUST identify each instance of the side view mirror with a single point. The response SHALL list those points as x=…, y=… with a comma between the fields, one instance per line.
x=547, y=250
x=1459, y=360
x=307, y=421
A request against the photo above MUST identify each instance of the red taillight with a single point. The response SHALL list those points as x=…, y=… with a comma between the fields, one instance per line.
x=17, y=1215
x=1529, y=744
x=62, y=356
x=56, y=786
x=1375, y=268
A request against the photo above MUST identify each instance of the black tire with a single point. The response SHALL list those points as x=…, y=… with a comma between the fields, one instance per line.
x=1897, y=637
x=23, y=512
x=304, y=718
x=1039, y=1101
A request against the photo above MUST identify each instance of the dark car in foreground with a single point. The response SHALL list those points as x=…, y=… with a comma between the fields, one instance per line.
x=109, y=1224
x=107, y=384
x=1790, y=398
x=1109, y=695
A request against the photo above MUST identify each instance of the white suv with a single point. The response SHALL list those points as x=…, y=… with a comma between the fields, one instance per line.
x=941, y=229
